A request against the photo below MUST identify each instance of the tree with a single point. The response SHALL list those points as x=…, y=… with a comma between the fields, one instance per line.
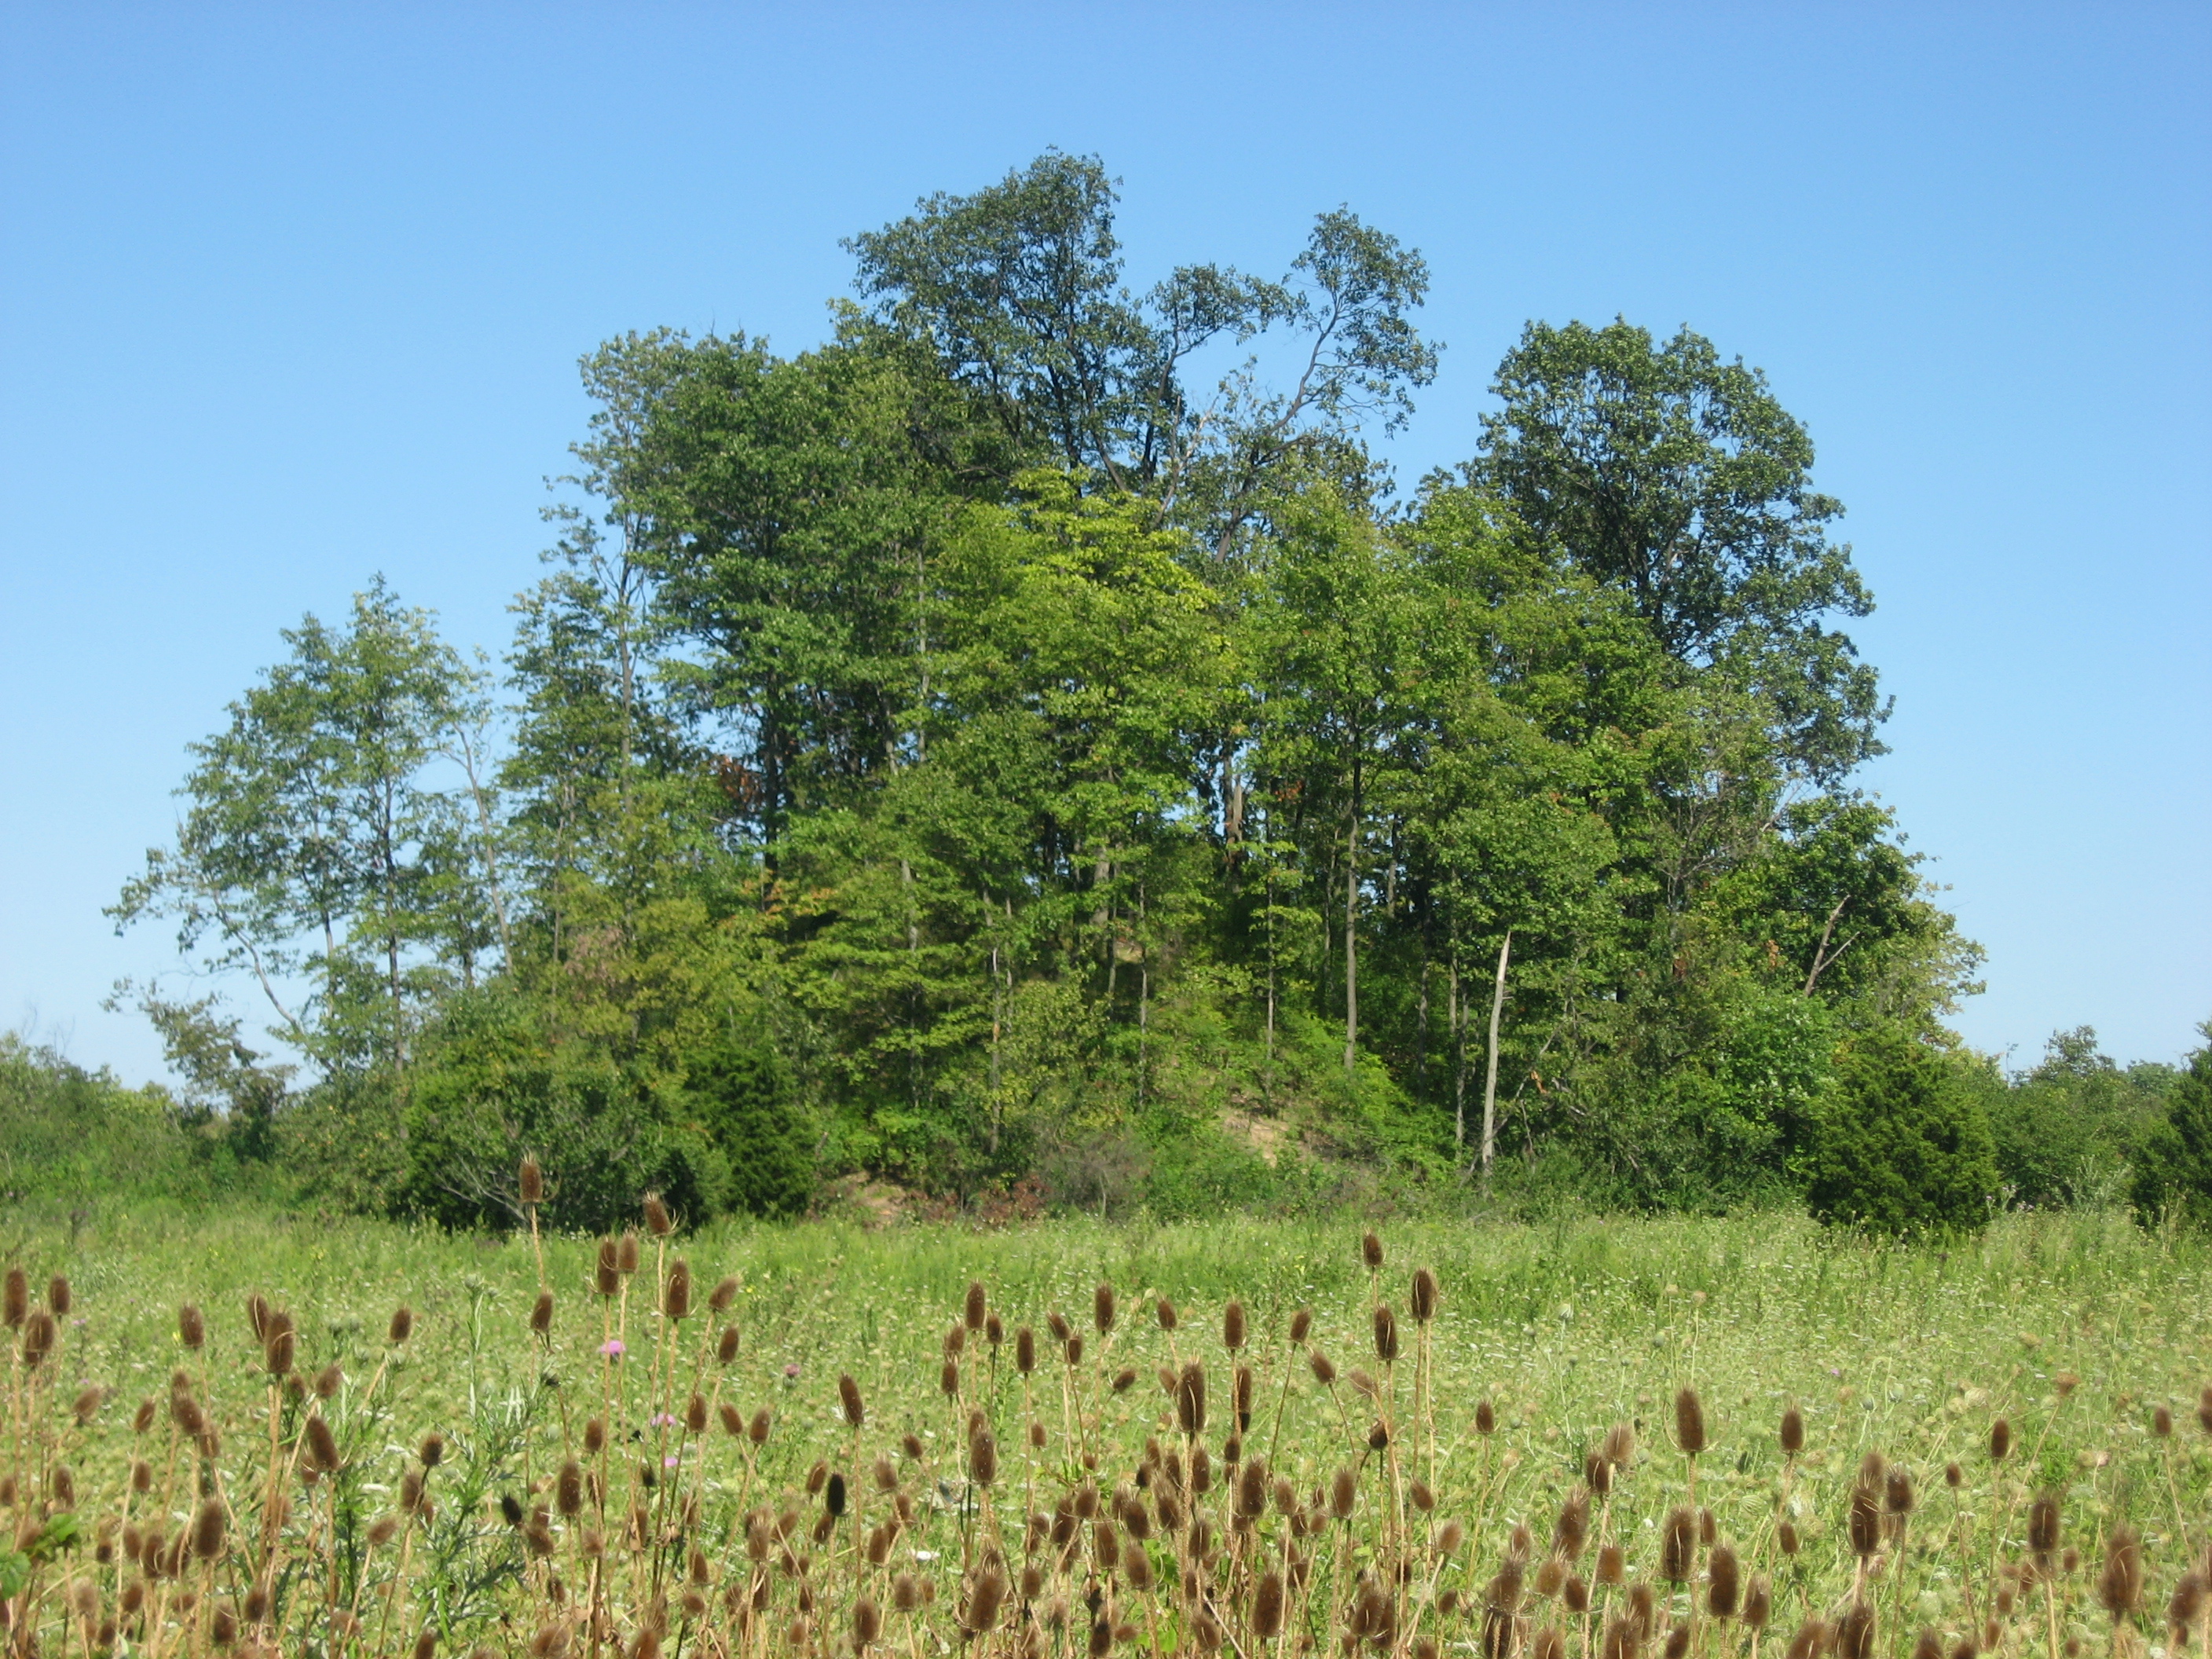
x=1679, y=479
x=1902, y=1146
x=2173, y=1172
x=312, y=843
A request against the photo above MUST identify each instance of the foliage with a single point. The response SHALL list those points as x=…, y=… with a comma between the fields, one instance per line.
x=973, y=754
x=1902, y=1146
x=2070, y=1130
x=2173, y=1170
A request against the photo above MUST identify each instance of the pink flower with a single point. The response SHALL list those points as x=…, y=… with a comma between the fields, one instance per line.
x=612, y=1347
x=660, y=1421
x=669, y=1461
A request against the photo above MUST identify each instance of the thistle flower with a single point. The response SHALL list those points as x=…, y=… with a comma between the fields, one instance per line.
x=613, y=1348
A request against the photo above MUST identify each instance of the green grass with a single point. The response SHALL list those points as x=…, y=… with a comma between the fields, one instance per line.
x=1566, y=1328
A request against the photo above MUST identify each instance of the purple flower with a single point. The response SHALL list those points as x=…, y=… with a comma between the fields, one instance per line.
x=669, y=1461
x=660, y=1421
x=790, y=1371
x=612, y=1347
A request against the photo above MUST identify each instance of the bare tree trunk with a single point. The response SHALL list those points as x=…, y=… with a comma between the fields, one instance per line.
x=1490, y=1081
x=1454, y=1018
x=1351, y=936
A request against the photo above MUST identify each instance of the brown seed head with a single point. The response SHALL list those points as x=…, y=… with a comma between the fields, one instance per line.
x=530, y=1181
x=1190, y=1399
x=1785, y=1537
x=541, y=1314
x=1897, y=1492
x=207, y=1530
x=403, y=1325
x=1301, y=1326
x=1619, y=1448
x=1323, y=1368
x=1865, y=1523
x=2120, y=1585
x=757, y=1430
x=657, y=1221
x=1268, y=1606
x=57, y=1295
x=595, y=1436
x=2161, y=1422
x=627, y=1254
x=867, y=1623
x=975, y=1305
x=1678, y=1545
x=1855, y=1634
x=1423, y=1302
x=1485, y=1416
x=676, y=1294
x=1101, y=1308
x=1370, y=1252
x=606, y=1268
x=1611, y=1565
x=1343, y=1493
x=1386, y=1332
x=16, y=1301
x=1724, y=1586
x=1689, y=1422
x=1232, y=1326
x=848, y=1400
x=1758, y=1602
x=2043, y=1523
x=1792, y=1430
x=1025, y=1350
x=1999, y=1440
x=1928, y=1645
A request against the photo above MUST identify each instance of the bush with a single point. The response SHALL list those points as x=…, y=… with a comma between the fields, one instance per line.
x=2068, y=1132
x=1902, y=1145
x=2173, y=1174
x=742, y=1101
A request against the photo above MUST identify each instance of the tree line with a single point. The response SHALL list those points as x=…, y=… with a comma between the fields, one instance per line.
x=1030, y=749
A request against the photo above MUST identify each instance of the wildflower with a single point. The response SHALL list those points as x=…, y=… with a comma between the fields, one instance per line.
x=612, y=1347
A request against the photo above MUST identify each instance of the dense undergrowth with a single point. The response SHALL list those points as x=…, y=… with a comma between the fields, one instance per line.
x=335, y=1484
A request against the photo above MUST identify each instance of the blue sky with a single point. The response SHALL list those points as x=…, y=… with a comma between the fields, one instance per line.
x=290, y=295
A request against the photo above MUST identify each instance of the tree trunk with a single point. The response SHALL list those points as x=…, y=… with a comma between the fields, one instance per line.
x=1489, y=1080
x=1455, y=1019
x=1352, y=935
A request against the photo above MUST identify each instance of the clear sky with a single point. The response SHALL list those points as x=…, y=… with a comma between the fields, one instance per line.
x=289, y=295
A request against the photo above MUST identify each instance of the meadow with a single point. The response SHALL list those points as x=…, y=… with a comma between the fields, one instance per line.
x=1603, y=1438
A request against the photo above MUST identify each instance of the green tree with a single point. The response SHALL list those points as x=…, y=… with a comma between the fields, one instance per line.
x=2173, y=1171
x=1901, y=1146
x=1680, y=479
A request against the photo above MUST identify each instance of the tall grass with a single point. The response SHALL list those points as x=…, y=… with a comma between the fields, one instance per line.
x=864, y=1464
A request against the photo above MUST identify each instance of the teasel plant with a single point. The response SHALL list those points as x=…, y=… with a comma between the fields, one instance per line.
x=272, y=1504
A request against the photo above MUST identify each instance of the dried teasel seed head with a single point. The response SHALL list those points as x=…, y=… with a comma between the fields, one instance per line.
x=867, y=1623
x=1689, y=1422
x=1865, y=1523
x=1611, y=1565
x=2000, y=1441
x=1678, y=1545
x=1164, y=1311
x=2043, y=1523
x=1101, y=1308
x=1792, y=1430
x=1268, y=1606
x=606, y=1269
x=192, y=1327
x=1723, y=1583
x=1232, y=1326
x=1928, y=1645
x=432, y=1451
x=530, y=1181
x=726, y=1346
x=2181, y=1613
x=948, y=1378
x=1597, y=1474
x=541, y=1314
x=86, y=1405
x=1758, y=1602
x=1897, y=1492
x=757, y=1430
x=322, y=1444
x=1125, y=1379
x=1386, y=1332
x=974, y=1306
x=627, y=1253
x=1323, y=1368
x=595, y=1436
x=1190, y=1399
x=2161, y=1422
x=208, y=1530
x=329, y=1380
x=2120, y=1584
x=402, y=1325
x=1855, y=1634
x=848, y=1401
x=1620, y=1447
x=16, y=1300
x=1056, y=1322
x=1954, y=1476
x=833, y=1495
x=676, y=1294
x=1025, y=1350
x=57, y=1295
x=1485, y=1416
x=569, y=1488
x=657, y=1221
x=1423, y=1302
x=1343, y=1493
x=1301, y=1326
x=1370, y=1252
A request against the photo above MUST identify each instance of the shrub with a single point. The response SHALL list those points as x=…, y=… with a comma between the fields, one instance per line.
x=2173, y=1173
x=1902, y=1144
x=742, y=1100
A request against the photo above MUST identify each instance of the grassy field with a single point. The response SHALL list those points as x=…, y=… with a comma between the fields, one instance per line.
x=584, y=1493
